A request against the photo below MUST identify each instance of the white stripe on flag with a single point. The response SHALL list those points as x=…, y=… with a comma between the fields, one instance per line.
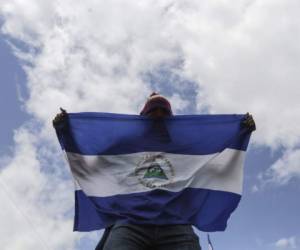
x=108, y=175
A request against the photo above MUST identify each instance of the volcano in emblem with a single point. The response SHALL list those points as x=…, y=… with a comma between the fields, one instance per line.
x=155, y=171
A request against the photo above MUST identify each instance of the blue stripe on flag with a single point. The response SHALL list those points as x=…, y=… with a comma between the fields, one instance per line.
x=109, y=134
x=209, y=210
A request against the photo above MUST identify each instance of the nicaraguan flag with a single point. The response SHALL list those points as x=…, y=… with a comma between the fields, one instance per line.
x=184, y=169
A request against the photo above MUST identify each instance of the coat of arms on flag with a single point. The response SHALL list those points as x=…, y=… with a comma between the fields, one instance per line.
x=154, y=170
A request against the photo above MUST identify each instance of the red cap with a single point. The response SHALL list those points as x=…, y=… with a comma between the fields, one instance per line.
x=156, y=100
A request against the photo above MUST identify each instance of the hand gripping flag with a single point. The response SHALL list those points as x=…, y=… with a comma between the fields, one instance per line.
x=184, y=169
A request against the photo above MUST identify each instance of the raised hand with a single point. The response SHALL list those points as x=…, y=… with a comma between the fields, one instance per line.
x=60, y=118
x=249, y=122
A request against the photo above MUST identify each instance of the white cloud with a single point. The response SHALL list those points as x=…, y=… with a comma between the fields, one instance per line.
x=286, y=243
x=285, y=168
x=91, y=55
x=37, y=196
x=33, y=202
x=245, y=57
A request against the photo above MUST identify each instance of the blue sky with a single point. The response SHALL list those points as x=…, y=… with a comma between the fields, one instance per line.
x=11, y=109
x=209, y=57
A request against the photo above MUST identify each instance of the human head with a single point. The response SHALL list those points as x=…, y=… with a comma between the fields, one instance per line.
x=157, y=106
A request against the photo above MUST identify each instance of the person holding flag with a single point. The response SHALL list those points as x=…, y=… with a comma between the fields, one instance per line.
x=126, y=235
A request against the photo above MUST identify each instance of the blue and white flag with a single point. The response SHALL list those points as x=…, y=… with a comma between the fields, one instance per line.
x=184, y=169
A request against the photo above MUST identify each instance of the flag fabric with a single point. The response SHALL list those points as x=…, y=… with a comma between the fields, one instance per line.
x=184, y=169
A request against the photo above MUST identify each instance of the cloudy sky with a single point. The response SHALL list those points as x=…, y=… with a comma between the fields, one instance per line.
x=206, y=56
